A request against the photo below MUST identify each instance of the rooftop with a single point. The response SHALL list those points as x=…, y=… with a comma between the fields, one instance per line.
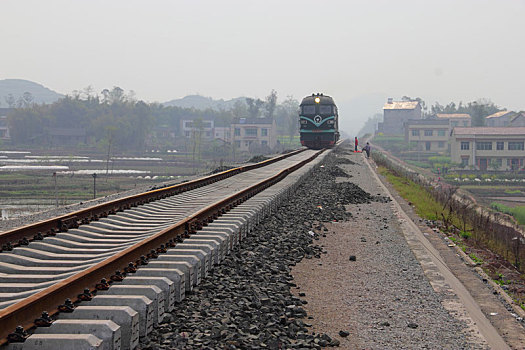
x=518, y=131
x=401, y=105
x=427, y=122
x=520, y=114
x=252, y=121
x=453, y=115
x=499, y=114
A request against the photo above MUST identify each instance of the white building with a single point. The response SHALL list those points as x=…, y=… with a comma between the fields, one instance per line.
x=486, y=148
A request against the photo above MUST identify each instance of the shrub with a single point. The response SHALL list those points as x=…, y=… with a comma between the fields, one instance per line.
x=445, y=161
x=465, y=234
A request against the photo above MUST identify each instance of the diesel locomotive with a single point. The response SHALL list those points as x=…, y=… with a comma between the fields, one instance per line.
x=318, y=120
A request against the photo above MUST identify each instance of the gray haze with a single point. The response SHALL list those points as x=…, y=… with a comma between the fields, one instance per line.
x=356, y=51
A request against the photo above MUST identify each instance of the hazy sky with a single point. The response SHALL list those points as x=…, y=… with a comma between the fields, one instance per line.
x=439, y=50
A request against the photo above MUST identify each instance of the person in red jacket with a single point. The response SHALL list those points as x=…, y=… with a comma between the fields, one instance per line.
x=356, y=144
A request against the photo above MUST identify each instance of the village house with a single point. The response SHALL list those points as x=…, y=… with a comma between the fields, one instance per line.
x=396, y=114
x=4, y=126
x=66, y=136
x=201, y=127
x=493, y=148
x=429, y=135
x=249, y=133
x=499, y=119
x=432, y=134
x=456, y=119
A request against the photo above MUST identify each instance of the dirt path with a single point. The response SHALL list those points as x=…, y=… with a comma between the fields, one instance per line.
x=387, y=298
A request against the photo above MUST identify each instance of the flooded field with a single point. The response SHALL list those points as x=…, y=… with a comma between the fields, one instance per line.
x=33, y=181
x=11, y=209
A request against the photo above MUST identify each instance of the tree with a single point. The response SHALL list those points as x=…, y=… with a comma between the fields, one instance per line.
x=196, y=136
x=110, y=133
x=271, y=103
x=254, y=106
x=418, y=99
x=116, y=95
x=10, y=100
x=87, y=93
x=494, y=164
x=478, y=110
x=105, y=95
x=290, y=108
x=25, y=101
x=239, y=109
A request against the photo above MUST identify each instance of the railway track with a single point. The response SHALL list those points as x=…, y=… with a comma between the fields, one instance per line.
x=111, y=272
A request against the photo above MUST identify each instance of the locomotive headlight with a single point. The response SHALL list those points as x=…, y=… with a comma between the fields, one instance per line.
x=331, y=121
x=303, y=121
x=317, y=100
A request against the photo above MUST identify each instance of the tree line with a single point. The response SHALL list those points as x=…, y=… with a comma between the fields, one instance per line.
x=478, y=109
x=117, y=118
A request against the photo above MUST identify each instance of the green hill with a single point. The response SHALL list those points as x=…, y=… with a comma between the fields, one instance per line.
x=17, y=88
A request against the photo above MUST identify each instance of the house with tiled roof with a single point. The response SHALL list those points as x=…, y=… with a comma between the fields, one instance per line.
x=518, y=120
x=396, y=114
x=499, y=119
x=488, y=148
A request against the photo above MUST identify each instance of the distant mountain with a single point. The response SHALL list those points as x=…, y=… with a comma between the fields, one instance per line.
x=17, y=87
x=201, y=102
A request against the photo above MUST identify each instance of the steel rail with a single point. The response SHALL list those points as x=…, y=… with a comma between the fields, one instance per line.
x=36, y=231
x=25, y=312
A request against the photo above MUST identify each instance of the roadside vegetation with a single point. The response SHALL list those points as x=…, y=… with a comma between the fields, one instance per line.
x=517, y=212
x=424, y=203
x=479, y=244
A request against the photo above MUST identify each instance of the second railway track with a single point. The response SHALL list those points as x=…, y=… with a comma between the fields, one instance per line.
x=161, y=246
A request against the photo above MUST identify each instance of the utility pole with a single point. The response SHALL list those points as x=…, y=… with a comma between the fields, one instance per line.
x=56, y=194
x=94, y=185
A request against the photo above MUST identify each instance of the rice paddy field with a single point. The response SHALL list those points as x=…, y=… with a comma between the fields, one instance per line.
x=32, y=182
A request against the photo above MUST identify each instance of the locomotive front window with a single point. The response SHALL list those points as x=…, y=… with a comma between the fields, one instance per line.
x=308, y=109
x=325, y=109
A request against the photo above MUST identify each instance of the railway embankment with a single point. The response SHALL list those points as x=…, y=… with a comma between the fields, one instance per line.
x=490, y=240
x=335, y=263
x=331, y=267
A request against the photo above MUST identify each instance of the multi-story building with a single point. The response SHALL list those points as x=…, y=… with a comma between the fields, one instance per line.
x=4, y=128
x=396, y=114
x=202, y=127
x=485, y=148
x=499, y=119
x=430, y=135
x=253, y=132
x=456, y=119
